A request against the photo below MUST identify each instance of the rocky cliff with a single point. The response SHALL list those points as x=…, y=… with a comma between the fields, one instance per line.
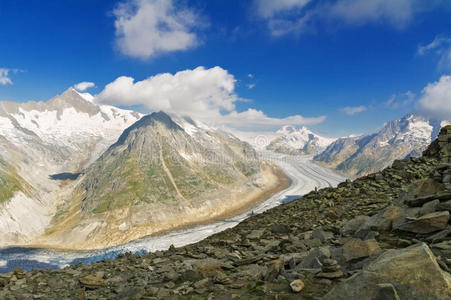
x=383, y=236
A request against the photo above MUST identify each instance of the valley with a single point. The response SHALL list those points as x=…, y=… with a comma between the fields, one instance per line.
x=302, y=172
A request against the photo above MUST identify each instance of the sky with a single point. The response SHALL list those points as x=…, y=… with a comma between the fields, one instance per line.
x=339, y=67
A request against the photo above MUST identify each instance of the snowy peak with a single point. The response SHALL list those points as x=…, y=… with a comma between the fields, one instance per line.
x=292, y=140
x=64, y=127
x=404, y=137
x=72, y=99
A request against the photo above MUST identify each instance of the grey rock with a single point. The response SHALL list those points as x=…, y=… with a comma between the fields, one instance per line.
x=426, y=224
x=429, y=207
x=413, y=271
x=280, y=229
x=444, y=206
x=357, y=248
x=385, y=291
x=322, y=235
x=353, y=225
x=255, y=234
x=315, y=256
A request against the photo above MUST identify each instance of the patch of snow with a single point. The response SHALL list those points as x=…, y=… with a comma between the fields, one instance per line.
x=87, y=96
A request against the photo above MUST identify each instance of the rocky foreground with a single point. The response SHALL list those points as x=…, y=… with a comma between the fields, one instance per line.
x=383, y=236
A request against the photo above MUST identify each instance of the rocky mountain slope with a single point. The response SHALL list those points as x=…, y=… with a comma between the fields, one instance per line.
x=162, y=173
x=41, y=140
x=361, y=155
x=383, y=236
x=294, y=141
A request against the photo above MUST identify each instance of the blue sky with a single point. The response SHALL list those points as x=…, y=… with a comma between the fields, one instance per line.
x=335, y=63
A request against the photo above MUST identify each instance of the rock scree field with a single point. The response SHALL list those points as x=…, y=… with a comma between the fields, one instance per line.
x=383, y=236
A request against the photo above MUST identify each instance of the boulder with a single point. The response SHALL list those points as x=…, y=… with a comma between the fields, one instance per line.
x=426, y=224
x=357, y=248
x=413, y=272
x=93, y=281
x=444, y=206
x=297, y=285
x=280, y=229
x=255, y=234
x=322, y=235
x=353, y=225
x=314, y=256
x=429, y=207
x=274, y=268
x=383, y=221
x=385, y=291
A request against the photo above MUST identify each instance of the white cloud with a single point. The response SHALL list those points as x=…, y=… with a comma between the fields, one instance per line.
x=285, y=17
x=438, y=42
x=398, y=13
x=83, y=86
x=250, y=85
x=435, y=100
x=269, y=8
x=400, y=100
x=207, y=95
x=352, y=110
x=440, y=46
x=145, y=28
x=4, y=76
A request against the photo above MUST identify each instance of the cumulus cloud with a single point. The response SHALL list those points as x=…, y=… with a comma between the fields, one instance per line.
x=297, y=16
x=83, y=86
x=4, y=76
x=441, y=47
x=352, y=110
x=250, y=85
x=435, y=100
x=145, y=28
x=204, y=94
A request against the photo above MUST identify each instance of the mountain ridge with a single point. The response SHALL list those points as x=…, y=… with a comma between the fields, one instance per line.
x=360, y=155
x=295, y=141
x=42, y=139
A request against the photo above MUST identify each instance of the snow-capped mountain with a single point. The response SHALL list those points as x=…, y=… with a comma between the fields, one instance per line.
x=41, y=139
x=292, y=140
x=360, y=155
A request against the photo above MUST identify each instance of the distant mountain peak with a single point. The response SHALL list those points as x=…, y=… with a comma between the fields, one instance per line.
x=300, y=140
x=359, y=155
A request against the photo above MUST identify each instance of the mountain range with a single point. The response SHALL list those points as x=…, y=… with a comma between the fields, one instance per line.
x=358, y=155
x=77, y=174
x=74, y=173
x=292, y=140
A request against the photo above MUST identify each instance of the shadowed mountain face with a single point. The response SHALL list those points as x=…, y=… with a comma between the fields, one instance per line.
x=361, y=155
